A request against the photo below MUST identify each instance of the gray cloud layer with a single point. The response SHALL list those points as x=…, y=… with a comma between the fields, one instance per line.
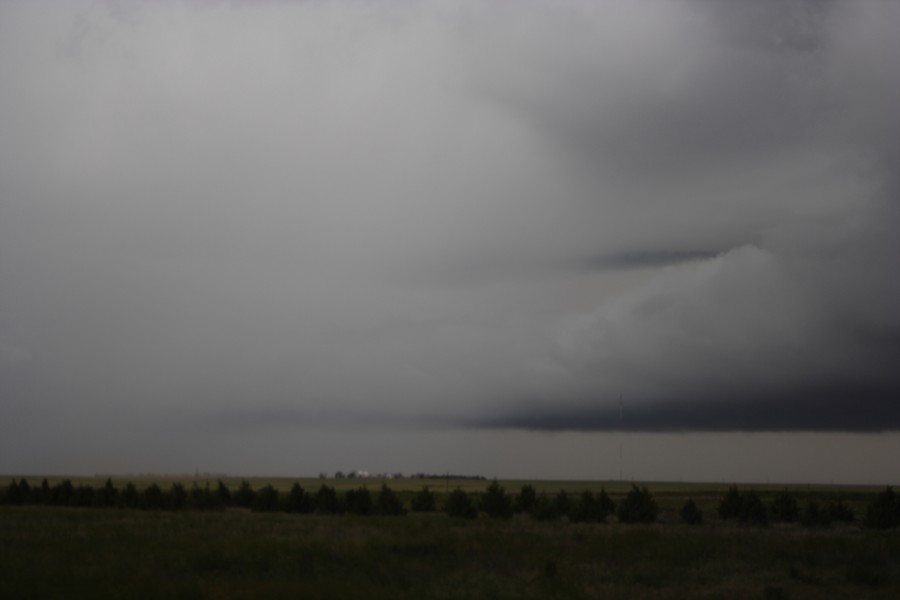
x=254, y=215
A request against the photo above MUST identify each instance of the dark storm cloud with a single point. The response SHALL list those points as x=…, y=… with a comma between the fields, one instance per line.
x=706, y=85
x=415, y=214
x=801, y=336
x=795, y=332
x=824, y=408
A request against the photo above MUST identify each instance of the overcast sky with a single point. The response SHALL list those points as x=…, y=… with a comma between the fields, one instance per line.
x=500, y=238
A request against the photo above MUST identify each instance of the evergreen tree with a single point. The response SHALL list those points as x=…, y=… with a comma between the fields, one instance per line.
x=424, y=501
x=690, y=514
x=638, y=506
x=526, y=499
x=730, y=505
x=784, y=508
x=42, y=494
x=107, y=495
x=753, y=511
x=244, y=496
x=389, y=503
x=152, y=498
x=63, y=493
x=840, y=512
x=84, y=496
x=266, y=499
x=129, y=497
x=298, y=501
x=177, y=497
x=359, y=501
x=562, y=503
x=203, y=498
x=605, y=504
x=327, y=502
x=545, y=508
x=460, y=505
x=815, y=516
x=495, y=503
x=223, y=493
x=583, y=509
x=12, y=495
x=591, y=509
x=884, y=512
x=24, y=491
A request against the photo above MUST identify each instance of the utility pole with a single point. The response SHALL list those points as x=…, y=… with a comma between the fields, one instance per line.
x=621, y=414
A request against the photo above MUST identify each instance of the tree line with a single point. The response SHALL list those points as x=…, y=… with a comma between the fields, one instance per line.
x=749, y=509
x=265, y=499
x=638, y=506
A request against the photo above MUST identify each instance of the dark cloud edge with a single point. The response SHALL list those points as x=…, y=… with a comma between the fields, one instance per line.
x=647, y=259
x=822, y=410
x=849, y=411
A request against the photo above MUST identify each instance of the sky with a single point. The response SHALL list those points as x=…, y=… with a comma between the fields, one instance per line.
x=649, y=240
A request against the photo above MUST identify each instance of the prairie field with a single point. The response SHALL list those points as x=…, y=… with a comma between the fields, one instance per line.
x=66, y=552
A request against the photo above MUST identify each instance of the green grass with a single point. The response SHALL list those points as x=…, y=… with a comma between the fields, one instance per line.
x=48, y=552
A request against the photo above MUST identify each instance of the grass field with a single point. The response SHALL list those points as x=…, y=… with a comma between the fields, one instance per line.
x=62, y=552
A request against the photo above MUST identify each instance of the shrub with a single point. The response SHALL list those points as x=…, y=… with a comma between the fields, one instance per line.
x=784, y=508
x=298, y=501
x=495, y=503
x=884, y=512
x=389, y=503
x=424, y=501
x=460, y=505
x=638, y=506
x=690, y=514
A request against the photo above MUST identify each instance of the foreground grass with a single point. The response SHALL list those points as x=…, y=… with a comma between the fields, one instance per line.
x=83, y=553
